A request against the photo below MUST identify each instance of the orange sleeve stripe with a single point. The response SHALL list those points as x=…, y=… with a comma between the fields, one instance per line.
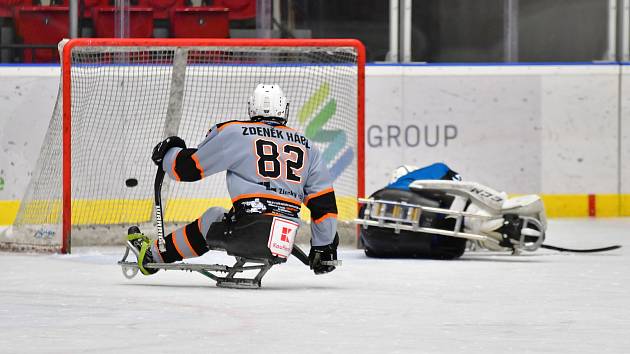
x=268, y=196
x=226, y=125
x=197, y=164
x=174, y=238
x=326, y=216
x=237, y=122
x=314, y=195
x=254, y=123
x=177, y=178
x=188, y=243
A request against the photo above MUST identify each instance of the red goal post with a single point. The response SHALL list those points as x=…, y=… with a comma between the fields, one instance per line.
x=67, y=97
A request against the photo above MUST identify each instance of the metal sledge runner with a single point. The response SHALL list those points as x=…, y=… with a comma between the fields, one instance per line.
x=130, y=269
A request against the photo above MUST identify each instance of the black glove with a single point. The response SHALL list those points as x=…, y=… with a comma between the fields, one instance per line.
x=160, y=150
x=323, y=253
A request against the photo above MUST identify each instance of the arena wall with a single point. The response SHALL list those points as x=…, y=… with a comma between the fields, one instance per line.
x=27, y=98
x=562, y=131
x=547, y=129
x=624, y=142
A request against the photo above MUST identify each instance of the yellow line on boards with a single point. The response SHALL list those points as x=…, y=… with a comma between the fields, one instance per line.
x=124, y=211
x=8, y=211
x=119, y=211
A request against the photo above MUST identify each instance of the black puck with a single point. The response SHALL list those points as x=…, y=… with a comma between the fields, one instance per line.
x=131, y=182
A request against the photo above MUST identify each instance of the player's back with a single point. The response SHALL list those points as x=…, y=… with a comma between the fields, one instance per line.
x=268, y=166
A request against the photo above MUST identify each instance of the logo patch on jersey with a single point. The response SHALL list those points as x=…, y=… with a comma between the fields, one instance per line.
x=282, y=236
x=254, y=206
x=336, y=138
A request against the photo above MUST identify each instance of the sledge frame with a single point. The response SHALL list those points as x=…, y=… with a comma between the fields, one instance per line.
x=130, y=269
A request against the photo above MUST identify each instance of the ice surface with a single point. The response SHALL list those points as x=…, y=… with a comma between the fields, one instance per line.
x=483, y=303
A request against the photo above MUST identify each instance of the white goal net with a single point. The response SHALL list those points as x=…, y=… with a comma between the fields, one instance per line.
x=123, y=97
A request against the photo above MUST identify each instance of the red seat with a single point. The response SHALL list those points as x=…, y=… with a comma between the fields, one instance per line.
x=7, y=6
x=140, y=22
x=42, y=25
x=239, y=9
x=87, y=5
x=162, y=8
x=200, y=22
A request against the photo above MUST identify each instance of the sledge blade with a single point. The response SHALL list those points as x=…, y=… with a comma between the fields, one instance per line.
x=181, y=266
x=335, y=263
x=239, y=283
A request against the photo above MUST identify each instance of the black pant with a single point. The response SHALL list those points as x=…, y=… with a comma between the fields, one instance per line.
x=247, y=237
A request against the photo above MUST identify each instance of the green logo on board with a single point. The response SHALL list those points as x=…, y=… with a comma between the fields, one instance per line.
x=320, y=108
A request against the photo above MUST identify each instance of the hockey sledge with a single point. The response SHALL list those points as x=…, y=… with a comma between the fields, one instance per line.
x=515, y=224
x=213, y=271
x=130, y=269
x=229, y=280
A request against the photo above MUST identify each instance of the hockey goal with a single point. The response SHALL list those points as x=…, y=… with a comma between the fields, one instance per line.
x=118, y=98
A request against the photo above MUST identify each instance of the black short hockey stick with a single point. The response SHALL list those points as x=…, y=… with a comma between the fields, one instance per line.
x=159, y=223
x=299, y=254
x=592, y=250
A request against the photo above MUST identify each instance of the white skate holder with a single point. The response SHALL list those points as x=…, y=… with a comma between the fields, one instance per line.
x=405, y=216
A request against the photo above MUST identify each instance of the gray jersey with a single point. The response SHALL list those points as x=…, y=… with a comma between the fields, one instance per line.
x=271, y=169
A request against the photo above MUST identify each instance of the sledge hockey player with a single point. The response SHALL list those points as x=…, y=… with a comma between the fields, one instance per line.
x=453, y=208
x=271, y=170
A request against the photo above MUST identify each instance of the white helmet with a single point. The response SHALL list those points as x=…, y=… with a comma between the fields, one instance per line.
x=401, y=171
x=268, y=101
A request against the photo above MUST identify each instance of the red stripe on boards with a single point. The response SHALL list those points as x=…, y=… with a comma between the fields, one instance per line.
x=592, y=205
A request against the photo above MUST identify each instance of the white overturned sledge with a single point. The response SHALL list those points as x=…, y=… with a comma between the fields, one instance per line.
x=482, y=215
